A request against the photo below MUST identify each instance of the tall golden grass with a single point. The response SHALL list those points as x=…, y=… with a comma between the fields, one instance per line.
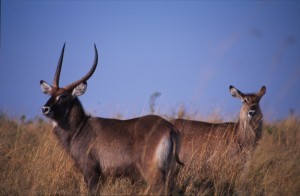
x=33, y=163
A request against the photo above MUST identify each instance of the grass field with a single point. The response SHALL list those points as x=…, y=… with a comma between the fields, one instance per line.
x=33, y=163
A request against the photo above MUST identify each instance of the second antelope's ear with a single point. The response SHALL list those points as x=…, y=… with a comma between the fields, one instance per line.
x=236, y=93
x=79, y=89
x=262, y=91
x=45, y=87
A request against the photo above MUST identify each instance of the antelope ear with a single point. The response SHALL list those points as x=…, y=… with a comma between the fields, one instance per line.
x=236, y=93
x=45, y=87
x=262, y=91
x=79, y=89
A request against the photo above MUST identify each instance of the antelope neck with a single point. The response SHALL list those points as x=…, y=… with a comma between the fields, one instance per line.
x=74, y=117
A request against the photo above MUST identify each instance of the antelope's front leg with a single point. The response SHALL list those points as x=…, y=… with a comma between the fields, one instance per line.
x=92, y=177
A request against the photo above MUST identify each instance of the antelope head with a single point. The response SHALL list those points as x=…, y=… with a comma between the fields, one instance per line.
x=250, y=108
x=61, y=99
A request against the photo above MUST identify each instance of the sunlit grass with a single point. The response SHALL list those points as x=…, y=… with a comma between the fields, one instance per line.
x=33, y=163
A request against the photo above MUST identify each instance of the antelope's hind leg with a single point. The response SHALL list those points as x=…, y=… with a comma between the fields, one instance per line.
x=160, y=171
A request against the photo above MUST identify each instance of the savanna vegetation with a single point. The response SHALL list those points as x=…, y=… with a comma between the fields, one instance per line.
x=33, y=163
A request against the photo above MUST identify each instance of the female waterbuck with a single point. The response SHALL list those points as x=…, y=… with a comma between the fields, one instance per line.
x=209, y=144
x=103, y=148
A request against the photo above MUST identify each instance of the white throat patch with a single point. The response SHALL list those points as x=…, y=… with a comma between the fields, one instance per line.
x=54, y=124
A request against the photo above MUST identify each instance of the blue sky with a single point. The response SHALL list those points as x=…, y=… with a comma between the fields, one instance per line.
x=189, y=51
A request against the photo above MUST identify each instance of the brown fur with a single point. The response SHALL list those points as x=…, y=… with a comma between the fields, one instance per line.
x=114, y=148
x=105, y=148
x=205, y=143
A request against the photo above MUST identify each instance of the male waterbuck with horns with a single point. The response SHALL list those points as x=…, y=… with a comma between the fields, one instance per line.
x=104, y=148
x=206, y=143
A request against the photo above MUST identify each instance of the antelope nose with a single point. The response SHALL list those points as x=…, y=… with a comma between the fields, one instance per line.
x=251, y=113
x=45, y=110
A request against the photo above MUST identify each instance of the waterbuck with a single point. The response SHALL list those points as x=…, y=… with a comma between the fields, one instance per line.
x=209, y=145
x=103, y=148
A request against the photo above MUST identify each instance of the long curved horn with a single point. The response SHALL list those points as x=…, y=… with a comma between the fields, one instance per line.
x=58, y=68
x=88, y=75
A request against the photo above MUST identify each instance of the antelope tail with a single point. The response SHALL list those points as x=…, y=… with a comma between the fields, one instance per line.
x=176, y=142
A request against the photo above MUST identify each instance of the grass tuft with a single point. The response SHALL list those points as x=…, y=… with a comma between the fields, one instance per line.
x=33, y=163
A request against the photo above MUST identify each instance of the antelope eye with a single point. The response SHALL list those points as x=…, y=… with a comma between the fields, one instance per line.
x=246, y=100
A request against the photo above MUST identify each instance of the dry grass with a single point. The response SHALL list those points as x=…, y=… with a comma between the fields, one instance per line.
x=274, y=168
x=33, y=163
